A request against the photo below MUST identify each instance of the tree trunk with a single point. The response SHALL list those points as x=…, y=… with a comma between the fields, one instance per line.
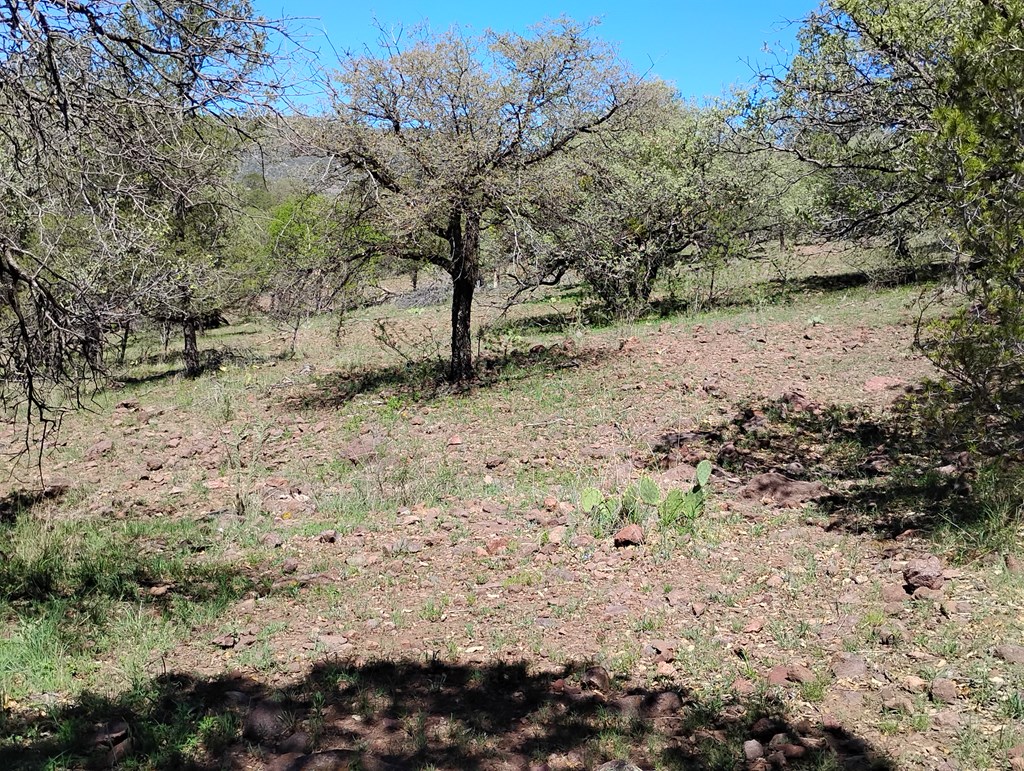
x=464, y=237
x=192, y=367
x=122, y=352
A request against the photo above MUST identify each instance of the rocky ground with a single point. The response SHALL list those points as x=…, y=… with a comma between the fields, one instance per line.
x=343, y=565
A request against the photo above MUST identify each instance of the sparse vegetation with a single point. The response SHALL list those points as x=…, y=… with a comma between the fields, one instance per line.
x=686, y=490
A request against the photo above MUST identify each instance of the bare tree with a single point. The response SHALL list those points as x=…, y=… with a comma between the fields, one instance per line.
x=103, y=105
x=440, y=129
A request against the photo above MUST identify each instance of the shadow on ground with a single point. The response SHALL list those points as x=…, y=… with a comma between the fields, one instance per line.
x=19, y=502
x=883, y=471
x=409, y=714
x=210, y=360
x=424, y=380
x=779, y=290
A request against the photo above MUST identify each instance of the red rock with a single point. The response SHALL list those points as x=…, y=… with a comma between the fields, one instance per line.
x=630, y=535
x=743, y=687
x=98, y=450
x=924, y=573
x=753, y=749
x=779, y=675
x=944, y=691
x=1011, y=654
x=849, y=666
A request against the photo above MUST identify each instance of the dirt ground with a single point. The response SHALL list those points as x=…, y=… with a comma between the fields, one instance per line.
x=416, y=584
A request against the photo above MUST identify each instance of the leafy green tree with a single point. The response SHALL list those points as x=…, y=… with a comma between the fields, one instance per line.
x=634, y=202
x=440, y=129
x=911, y=113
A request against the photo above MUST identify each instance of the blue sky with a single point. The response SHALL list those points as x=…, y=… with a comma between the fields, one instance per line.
x=703, y=47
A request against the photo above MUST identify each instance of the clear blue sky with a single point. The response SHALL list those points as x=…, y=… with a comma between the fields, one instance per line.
x=702, y=47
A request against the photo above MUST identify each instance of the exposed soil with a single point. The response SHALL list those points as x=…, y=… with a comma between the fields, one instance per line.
x=419, y=558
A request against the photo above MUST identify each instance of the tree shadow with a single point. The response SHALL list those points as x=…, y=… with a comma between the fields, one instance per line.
x=884, y=472
x=211, y=360
x=405, y=714
x=18, y=502
x=593, y=316
x=424, y=380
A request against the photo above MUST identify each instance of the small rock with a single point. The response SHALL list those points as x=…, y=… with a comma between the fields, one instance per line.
x=98, y=450
x=265, y=721
x=743, y=687
x=753, y=749
x=597, y=678
x=664, y=669
x=328, y=536
x=298, y=742
x=924, y=573
x=224, y=641
x=915, y=684
x=698, y=608
x=290, y=566
x=944, y=691
x=849, y=666
x=1014, y=565
x=630, y=535
x=273, y=540
x=1011, y=654
x=618, y=765
x=894, y=593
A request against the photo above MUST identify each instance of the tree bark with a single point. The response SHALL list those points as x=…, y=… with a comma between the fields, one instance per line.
x=464, y=237
x=122, y=352
x=192, y=367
